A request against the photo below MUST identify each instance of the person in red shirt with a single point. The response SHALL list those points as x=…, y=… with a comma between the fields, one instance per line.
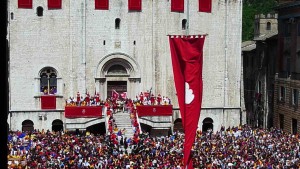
x=152, y=99
x=141, y=97
x=97, y=99
x=87, y=99
x=159, y=99
x=78, y=99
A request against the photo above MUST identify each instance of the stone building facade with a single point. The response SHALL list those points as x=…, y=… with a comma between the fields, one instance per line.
x=259, y=60
x=78, y=49
x=287, y=79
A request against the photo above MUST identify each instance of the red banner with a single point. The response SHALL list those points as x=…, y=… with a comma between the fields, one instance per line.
x=187, y=60
x=155, y=110
x=135, y=5
x=102, y=4
x=24, y=3
x=177, y=5
x=205, y=6
x=83, y=111
x=54, y=4
x=48, y=102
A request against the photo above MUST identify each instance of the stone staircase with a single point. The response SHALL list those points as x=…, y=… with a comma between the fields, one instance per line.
x=122, y=120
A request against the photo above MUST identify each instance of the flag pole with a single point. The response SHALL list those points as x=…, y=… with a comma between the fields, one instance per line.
x=188, y=17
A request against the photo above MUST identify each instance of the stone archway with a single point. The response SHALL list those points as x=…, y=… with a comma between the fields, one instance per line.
x=119, y=71
x=207, y=124
x=27, y=125
x=57, y=125
x=97, y=129
x=178, y=125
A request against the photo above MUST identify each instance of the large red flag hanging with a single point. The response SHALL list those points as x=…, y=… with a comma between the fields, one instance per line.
x=205, y=6
x=186, y=53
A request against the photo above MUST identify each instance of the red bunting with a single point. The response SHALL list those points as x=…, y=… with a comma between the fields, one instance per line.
x=187, y=63
x=177, y=5
x=24, y=3
x=101, y=4
x=54, y=4
x=135, y=5
x=205, y=6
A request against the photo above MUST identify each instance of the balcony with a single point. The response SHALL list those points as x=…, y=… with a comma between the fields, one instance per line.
x=286, y=75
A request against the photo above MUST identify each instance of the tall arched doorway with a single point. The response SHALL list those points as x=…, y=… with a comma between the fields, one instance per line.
x=119, y=72
x=207, y=124
x=178, y=125
x=57, y=125
x=146, y=128
x=27, y=125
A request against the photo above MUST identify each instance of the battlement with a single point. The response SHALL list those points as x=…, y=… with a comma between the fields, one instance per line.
x=267, y=16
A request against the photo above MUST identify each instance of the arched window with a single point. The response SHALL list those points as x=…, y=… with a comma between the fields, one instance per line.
x=27, y=125
x=117, y=23
x=184, y=21
x=269, y=26
x=39, y=11
x=48, y=82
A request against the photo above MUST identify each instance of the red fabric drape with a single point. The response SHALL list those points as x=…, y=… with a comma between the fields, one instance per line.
x=205, y=6
x=177, y=5
x=83, y=111
x=48, y=102
x=54, y=4
x=187, y=62
x=24, y=3
x=155, y=110
x=135, y=5
x=102, y=4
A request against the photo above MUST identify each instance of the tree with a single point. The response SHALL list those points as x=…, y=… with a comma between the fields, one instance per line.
x=250, y=9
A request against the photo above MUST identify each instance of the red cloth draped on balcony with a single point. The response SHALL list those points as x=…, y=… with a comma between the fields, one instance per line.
x=48, y=102
x=177, y=5
x=154, y=110
x=54, y=4
x=102, y=4
x=24, y=3
x=83, y=111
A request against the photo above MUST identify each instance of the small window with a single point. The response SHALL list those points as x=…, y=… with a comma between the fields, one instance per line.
x=282, y=93
x=184, y=21
x=39, y=11
x=117, y=23
x=12, y=16
x=269, y=26
x=295, y=97
x=48, y=81
x=133, y=42
x=281, y=121
x=104, y=42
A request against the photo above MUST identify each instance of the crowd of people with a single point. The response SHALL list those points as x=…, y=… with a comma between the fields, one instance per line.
x=145, y=98
x=239, y=147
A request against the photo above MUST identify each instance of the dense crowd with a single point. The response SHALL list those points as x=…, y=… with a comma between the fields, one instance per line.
x=242, y=147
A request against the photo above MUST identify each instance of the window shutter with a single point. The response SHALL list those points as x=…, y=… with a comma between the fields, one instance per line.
x=24, y=3
x=205, y=6
x=177, y=5
x=54, y=4
x=135, y=5
x=101, y=4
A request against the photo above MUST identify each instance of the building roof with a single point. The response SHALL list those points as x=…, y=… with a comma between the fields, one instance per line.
x=248, y=46
x=263, y=37
x=287, y=5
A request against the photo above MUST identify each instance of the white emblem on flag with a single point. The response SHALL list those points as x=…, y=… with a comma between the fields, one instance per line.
x=189, y=96
x=154, y=110
x=83, y=111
